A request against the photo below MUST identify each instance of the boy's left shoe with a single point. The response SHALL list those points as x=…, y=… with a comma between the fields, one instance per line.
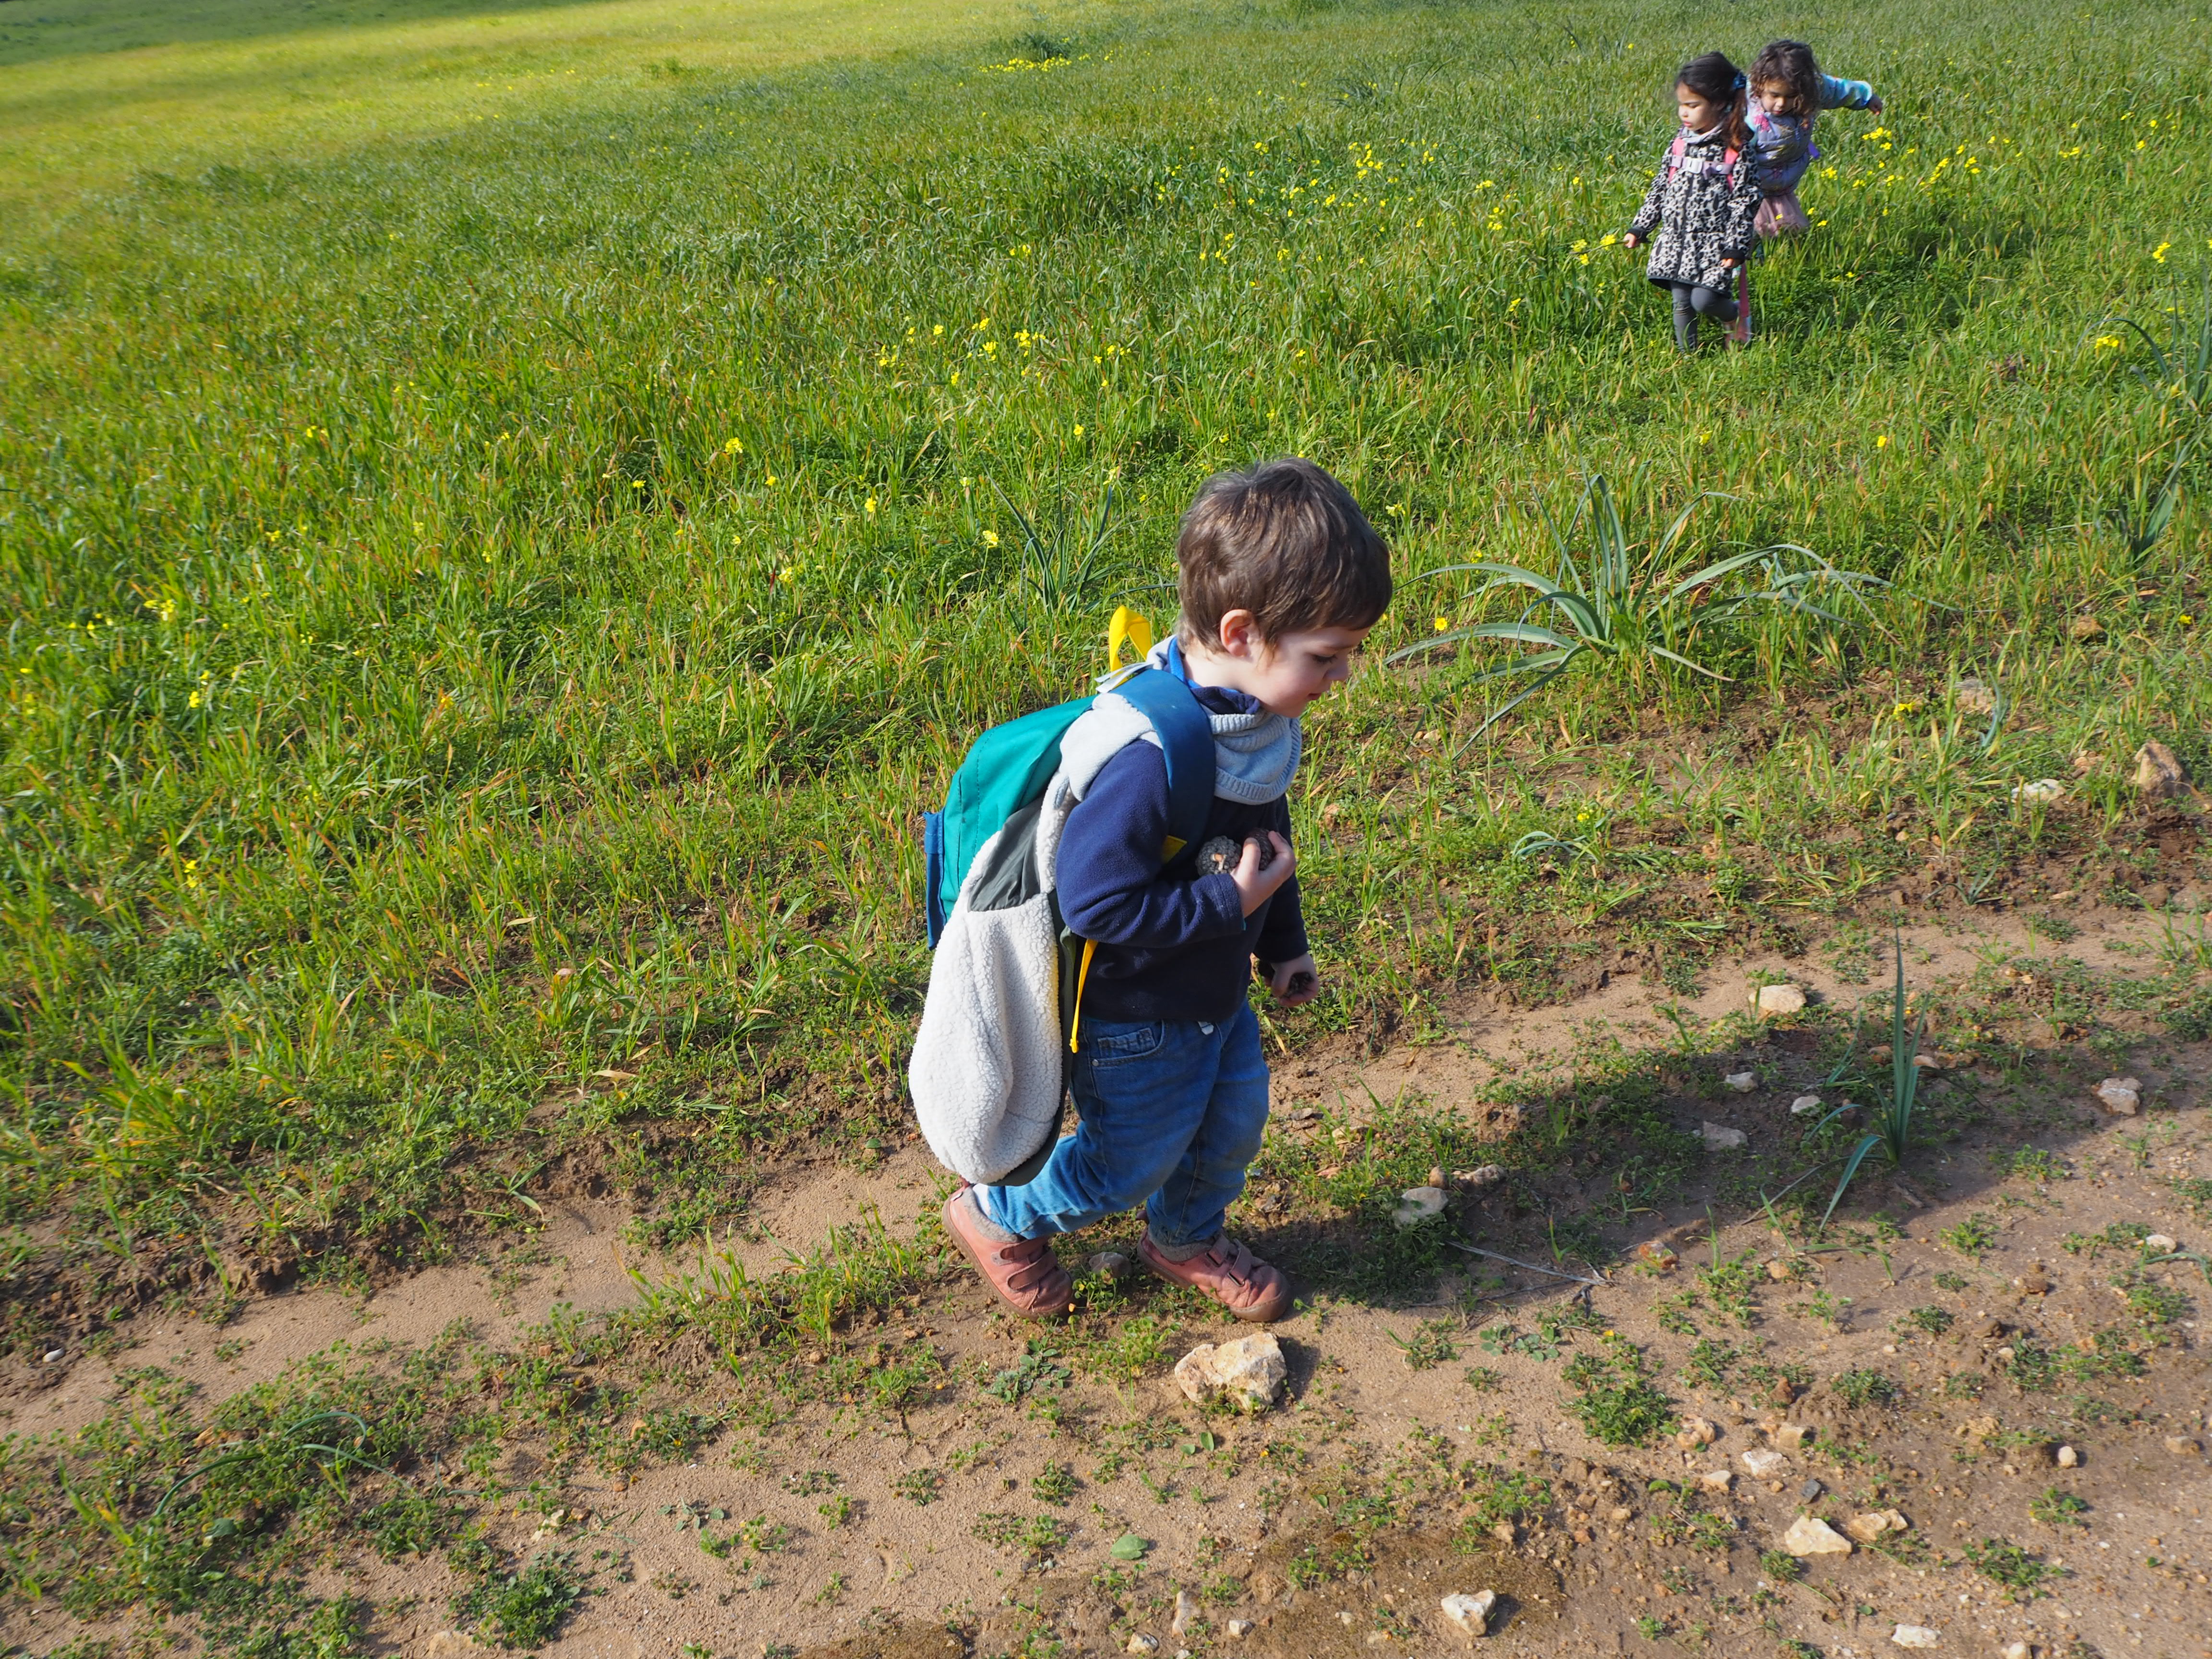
x=1229, y=1273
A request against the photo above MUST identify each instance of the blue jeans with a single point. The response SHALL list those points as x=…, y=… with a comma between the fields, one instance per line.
x=1172, y=1112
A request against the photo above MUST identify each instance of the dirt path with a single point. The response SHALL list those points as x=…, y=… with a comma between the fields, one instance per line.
x=1319, y=1523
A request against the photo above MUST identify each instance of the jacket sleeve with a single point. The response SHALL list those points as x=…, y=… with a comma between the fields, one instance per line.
x=1284, y=938
x=1740, y=234
x=1283, y=929
x=1112, y=887
x=1836, y=93
x=1647, y=216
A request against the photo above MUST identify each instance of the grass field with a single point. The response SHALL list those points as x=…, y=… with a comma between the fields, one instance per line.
x=508, y=516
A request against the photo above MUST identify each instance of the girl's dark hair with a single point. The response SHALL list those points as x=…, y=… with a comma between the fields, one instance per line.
x=1714, y=78
x=1788, y=63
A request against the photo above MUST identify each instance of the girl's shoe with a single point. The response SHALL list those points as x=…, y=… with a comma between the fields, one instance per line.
x=1023, y=1273
x=1229, y=1273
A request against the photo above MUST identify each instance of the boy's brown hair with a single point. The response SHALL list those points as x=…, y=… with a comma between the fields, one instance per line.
x=1284, y=541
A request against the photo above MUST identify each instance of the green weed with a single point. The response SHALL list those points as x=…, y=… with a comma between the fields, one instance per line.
x=2007, y=1565
x=1614, y=1398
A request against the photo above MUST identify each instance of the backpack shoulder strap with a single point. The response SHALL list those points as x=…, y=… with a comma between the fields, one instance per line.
x=1185, y=734
x=1674, y=152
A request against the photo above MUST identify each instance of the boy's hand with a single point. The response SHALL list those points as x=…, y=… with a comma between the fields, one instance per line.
x=1257, y=885
x=1873, y=107
x=1295, y=981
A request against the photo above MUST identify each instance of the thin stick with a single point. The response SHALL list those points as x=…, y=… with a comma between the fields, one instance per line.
x=1529, y=1266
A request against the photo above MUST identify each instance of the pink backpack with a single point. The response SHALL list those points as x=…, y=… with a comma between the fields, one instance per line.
x=1681, y=146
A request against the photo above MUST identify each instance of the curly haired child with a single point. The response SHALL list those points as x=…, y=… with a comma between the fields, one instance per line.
x=1703, y=201
x=1788, y=93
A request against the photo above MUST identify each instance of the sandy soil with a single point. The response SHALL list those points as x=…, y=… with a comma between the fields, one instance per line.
x=1225, y=1524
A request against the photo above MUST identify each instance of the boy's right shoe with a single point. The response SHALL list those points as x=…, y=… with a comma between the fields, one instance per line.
x=1023, y=1273
x=1255, y=1292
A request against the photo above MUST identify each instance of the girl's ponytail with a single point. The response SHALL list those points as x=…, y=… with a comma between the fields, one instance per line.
x=1717, y=80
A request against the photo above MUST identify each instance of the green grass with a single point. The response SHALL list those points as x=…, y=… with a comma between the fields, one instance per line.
x=496, y=558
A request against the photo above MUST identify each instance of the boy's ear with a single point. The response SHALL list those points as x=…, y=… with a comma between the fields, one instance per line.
x=1239, y=633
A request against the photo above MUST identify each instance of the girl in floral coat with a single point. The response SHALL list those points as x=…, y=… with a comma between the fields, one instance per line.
x=1703, y=202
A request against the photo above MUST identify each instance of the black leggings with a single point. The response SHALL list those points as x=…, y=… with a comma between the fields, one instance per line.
x=1693, y=301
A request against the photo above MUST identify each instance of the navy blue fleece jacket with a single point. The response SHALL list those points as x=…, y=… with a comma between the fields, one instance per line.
x=1172, y=945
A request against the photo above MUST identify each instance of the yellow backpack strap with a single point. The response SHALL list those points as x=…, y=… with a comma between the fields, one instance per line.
x=1075, y=1020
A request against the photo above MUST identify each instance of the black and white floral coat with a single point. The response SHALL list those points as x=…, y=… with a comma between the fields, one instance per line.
x=1702, y=205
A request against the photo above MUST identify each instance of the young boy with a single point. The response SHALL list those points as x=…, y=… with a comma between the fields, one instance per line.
x=1280, y=578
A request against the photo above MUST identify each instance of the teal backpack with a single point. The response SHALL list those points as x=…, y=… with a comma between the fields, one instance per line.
x=1003, y=779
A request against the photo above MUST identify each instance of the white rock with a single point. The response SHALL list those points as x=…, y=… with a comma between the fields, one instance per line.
x=53, y=1357
x=2018, y=1650
x=1488, y=1175
x=2067, y=1457
x=1780, y=999
x=1805, y=1105
x=2043, y=789
x=1240, y=1628
x=1110, y=1264
x=1764, y=1464
x=1696, y=1431
x=1470, y=1615
x=2121, y=1096
x=1875, y=1524
x=1716, y=1479
x=1916, y=1636
x=1792, y=1437
x=1143, y=1643
x=1186, y=1610
x=1417, y=1205
x=2161, y=1244
x=1810, y=1536
x=1243, y=1374
x=1742, y=1082
x=1719, y=1138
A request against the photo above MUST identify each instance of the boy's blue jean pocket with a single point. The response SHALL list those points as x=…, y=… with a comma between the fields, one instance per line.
x=1172, y=1112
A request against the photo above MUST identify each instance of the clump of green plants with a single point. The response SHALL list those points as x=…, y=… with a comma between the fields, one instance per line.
x=1606, y=607
x=1028, y=1534
x=2055, y=1507
x=1728, y=1285
x=1708, y=1362
x=1950, y=1281
x=520, y=1609
x=1055, y=1484
x=1781, y=1566
x=1923, y=1321
x=1974, y=1236
x=2196, y=1191
x=1613, y=1396
x=2005, y=1564
x=1859, y=1388
x=1890, y=1125
x=1483, y=1379
x=920, y=1486
x=1432, y=1343
x=1495, y=1495
x=2153, y=1303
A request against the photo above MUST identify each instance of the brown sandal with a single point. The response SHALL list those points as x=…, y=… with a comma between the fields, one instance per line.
x=1022, y=1274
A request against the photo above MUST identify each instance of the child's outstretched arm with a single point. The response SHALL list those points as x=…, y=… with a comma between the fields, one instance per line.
x=1836, y=93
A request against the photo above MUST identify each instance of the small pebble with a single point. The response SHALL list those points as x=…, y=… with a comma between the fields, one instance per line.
x=1742, y=1082
x=53, y=1356
x=2067, y=1457
x=1810, y=1490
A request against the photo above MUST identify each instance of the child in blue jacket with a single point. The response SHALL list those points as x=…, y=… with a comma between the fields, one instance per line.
x=1280, y=578
x=1788, y=93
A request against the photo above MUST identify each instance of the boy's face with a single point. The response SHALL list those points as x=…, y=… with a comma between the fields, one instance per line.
x=1289, y=674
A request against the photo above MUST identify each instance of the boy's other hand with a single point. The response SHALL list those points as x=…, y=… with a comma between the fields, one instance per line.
x=1295, y=981
x=1256, y=881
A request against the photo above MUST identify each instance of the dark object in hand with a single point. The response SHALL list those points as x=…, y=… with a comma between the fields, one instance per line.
x=1301, y=982
x=1221, y=855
